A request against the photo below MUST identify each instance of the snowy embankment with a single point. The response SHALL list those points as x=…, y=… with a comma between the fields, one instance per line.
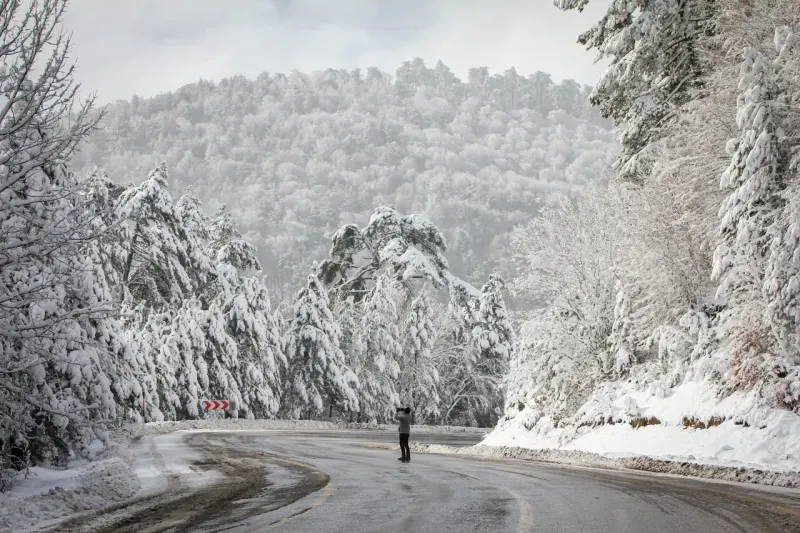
x=144, y=461
x=688, y=431
x=134, y=469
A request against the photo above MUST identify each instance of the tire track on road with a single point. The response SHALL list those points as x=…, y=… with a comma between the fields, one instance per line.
x=241, y=494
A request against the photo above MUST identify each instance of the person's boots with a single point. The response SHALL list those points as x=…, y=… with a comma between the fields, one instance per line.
x=402, y=458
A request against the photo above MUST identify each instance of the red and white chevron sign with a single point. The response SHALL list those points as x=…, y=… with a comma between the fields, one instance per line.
x=215, y=405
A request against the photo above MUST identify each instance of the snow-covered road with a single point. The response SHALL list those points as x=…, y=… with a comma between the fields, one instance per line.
x=347, y=481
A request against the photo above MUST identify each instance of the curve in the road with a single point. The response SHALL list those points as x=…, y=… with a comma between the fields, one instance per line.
x=328, y=482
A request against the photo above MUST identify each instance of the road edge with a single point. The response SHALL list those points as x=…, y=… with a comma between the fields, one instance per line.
x=744, y=475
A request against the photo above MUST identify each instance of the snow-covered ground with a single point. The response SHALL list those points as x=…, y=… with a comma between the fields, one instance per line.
x=51, y=494
x=746, y=437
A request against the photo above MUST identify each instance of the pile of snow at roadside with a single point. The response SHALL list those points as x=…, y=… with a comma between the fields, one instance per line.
x=238, y=424
x=593, y=460
x=689, y=431
x=50, y=494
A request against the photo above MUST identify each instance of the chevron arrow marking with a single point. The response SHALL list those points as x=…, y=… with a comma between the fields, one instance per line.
x=215, y=405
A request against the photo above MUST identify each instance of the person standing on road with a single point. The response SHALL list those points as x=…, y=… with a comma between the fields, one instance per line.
x=403, y=415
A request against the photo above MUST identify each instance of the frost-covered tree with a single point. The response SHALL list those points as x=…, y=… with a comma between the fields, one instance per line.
x=54, y=388
x=782, y=275
x=316, y=367
x=567, y=258
x=492, y=333
x=460, y=403
x=125, y=366
x=206, y=329
x=226, y=245
x=754, y=179
x=183, y=373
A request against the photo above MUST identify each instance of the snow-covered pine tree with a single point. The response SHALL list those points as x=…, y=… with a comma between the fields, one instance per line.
x=755, y=178
x=197, y=227
x=54, y=390
x=621, y=353
x=494, y=343
x=226, y=245
x=409, y=247
x=166, y=276
x=249, y=320
x=181, y=347
x=347, y=313
x=419, y=377
x=201, y=322
x=164, y=261
x=781, y=285
x=316, y=368
x=493, y=333
x=378, y=349
x=126, y=367
x=484, y=328
x=653, y=48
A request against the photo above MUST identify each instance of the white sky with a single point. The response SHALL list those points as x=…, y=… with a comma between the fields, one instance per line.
x=144, y=47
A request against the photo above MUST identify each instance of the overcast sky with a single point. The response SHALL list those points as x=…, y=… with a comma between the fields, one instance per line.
x=145, y=47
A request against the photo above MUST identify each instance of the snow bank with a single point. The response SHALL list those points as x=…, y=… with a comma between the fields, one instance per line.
x=687, y=429
x=234, y=424
x=593, y=460
x=52, y=494
x=139, y=469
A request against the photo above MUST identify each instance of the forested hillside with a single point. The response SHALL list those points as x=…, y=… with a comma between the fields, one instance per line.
x=298, y=155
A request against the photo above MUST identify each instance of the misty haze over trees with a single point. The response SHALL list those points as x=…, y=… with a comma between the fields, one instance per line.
x=335, y=244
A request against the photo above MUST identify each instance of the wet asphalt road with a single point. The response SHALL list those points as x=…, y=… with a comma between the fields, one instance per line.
x=350, y=482
x=370, y=491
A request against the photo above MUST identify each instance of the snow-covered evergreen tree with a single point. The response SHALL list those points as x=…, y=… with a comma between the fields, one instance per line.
x=407, y=247
x=377, y=351
x=419, y=377
x=125, y=366
x=782, y=273
x=164, y=262
x=755, y=178
x=243, y=298
x=653, y=48
x=493, y=333
x=487, y=330
x=316, y=365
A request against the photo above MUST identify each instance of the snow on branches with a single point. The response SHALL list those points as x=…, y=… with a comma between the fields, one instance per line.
x=409, y=247
x=55, y=393
x=317, y=373
x=653, y=48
